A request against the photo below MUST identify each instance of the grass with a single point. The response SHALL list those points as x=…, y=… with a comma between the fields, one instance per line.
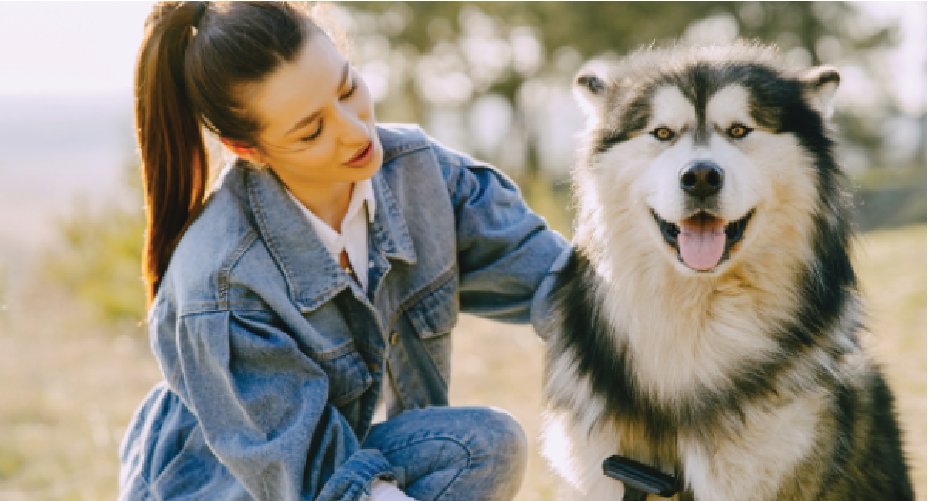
x=68, y=388
x=69, y=384
x=892, y=266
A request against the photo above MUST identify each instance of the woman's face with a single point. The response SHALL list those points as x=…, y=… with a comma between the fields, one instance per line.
x=319, y=129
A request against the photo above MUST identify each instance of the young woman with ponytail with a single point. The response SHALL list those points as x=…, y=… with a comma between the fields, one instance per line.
x=320, y=278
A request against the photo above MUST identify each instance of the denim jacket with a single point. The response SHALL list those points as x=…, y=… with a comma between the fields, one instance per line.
x=274, y=358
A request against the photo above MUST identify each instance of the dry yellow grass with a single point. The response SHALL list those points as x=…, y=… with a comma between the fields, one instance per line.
x=69, y=386
x=67, y=390
x=892, y=267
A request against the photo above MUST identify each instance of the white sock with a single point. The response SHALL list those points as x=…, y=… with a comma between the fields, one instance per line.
x=382, y=490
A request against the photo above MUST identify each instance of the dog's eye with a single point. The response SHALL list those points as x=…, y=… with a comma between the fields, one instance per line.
x=737, y=131
x=663, y=134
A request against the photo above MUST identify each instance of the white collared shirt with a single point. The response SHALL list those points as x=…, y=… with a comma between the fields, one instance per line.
x=354, y=236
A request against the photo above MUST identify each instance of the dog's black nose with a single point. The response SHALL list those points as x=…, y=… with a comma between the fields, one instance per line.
x=702, y=180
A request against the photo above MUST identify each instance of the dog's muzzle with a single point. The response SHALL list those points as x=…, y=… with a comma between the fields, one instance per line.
x=703, y=241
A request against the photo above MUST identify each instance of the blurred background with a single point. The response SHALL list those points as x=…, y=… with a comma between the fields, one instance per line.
x=492, y=79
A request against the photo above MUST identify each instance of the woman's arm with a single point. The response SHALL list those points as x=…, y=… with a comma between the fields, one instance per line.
x=505, y=250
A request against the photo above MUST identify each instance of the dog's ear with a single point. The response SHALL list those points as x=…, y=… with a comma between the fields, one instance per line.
x=590, y=81
x=820, y=86
x=589, y=89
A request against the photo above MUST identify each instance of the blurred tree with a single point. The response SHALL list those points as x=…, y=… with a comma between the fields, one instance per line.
x=448, y=65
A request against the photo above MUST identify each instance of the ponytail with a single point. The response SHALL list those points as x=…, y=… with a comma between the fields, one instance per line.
x=174, y=158
x=186, y=82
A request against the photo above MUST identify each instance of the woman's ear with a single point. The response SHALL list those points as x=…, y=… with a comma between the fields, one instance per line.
x=243, y=151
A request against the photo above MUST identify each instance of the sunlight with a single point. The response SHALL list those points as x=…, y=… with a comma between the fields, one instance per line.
x=69, y=47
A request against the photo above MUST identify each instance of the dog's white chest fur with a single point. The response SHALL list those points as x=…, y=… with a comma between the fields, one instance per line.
x=747, y=470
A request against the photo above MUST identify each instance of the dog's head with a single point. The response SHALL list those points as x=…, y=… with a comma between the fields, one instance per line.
x=707, y=151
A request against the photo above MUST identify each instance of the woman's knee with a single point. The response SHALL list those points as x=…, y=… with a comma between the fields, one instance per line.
x=502, y=451
x=503, y=434
x=455, y=452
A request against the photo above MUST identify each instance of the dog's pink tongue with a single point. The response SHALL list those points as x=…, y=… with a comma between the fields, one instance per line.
x=701, y=241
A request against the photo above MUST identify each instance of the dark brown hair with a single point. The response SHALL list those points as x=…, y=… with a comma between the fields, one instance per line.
x=192, y=77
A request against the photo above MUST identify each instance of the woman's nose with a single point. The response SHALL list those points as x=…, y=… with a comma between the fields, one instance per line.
x=352, y=125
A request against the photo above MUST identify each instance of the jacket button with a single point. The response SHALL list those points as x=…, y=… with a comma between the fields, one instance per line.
x=394, y=338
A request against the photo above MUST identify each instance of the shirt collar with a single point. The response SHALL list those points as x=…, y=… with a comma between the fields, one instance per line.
x=363, y=196
x=284, y=230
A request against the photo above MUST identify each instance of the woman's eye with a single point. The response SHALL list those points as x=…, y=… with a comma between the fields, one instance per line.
x=351, y=90
x=663, y=134
x=737, y=131
x=316, y=134
x=345, y=95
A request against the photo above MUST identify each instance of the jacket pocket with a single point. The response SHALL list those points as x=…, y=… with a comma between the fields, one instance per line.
x=436, y=312
x=327, y=341
x=433, y=316
x=348, y=376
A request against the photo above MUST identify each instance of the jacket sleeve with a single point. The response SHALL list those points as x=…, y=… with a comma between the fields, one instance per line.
x=505, y=250
x=262, y=404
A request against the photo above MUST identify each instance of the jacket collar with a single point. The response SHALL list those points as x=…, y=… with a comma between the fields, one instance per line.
x=312, y=275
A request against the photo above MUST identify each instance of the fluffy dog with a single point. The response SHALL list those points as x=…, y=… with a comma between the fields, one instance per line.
x=708, y=322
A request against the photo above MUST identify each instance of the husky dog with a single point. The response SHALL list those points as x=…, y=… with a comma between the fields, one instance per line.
x=708, y=321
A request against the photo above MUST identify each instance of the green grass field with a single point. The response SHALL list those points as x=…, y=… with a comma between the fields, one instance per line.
x=68, y=386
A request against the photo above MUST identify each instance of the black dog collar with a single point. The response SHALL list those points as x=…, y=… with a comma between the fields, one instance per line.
x=640, y=480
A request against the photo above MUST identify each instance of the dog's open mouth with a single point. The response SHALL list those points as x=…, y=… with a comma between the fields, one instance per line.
x=703, y=240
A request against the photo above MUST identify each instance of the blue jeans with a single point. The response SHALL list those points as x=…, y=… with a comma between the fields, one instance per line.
x=454, y=453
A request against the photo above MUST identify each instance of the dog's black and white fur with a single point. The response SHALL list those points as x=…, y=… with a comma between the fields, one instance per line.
x=708, y=321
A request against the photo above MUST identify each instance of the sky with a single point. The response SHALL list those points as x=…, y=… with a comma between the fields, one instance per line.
x=69, y=47
x=90, y=47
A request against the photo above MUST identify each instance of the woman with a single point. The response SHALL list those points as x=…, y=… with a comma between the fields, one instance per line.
x=322, y=276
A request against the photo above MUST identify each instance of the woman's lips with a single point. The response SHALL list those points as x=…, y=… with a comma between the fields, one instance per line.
x=362, y=157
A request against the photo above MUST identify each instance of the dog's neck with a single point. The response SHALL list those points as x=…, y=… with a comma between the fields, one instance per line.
x=684, y=330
